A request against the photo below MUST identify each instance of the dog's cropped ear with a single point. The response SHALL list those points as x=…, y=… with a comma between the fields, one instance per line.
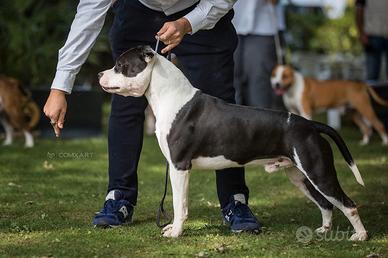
x=148, y=55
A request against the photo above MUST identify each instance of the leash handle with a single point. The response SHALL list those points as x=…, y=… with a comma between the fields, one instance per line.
x=278, y=46
x=157, y=44
x=157, y=48
x=161, y=212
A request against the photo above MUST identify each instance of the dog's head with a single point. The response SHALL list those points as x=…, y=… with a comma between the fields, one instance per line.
x=131, y=74
x=282, y=79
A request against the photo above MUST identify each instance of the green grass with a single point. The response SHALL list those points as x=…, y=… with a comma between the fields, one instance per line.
x=47, y=201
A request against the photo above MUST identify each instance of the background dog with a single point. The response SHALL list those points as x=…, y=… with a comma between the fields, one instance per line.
x=17, y=111
x=304, y=96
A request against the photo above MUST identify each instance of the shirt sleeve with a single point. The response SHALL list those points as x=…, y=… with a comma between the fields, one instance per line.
x=86, y=26
x=360, y=2
x=207, y=13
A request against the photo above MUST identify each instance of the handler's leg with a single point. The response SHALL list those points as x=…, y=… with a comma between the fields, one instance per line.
x=207, y=60
x=126, y=120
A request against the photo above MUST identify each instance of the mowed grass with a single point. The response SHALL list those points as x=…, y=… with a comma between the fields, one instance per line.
x=49, y=194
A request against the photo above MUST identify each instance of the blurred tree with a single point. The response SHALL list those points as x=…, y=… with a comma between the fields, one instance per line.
x=310, y=30
x=32, y=31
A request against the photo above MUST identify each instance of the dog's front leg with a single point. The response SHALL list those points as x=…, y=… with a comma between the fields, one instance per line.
x=180, y=190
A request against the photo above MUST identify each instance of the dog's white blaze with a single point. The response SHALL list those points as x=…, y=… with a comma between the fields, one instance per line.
x=278, y=76
x=220, y=162
x=352, y=216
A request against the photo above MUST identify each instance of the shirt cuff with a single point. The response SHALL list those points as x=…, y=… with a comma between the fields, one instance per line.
x=196, y=20
x=64, y=81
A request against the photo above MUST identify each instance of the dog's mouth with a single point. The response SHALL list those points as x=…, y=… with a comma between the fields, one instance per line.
x=110, y=88
x=279, y=91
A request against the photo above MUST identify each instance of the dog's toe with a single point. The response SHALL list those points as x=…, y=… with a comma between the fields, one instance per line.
x=322, y=230
x=359, y=236
x=172, y=232
x=168, y=227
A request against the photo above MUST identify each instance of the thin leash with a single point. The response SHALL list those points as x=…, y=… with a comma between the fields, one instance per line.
x=278, y=46
x=162, y=213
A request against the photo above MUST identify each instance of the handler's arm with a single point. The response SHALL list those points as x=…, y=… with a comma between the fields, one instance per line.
x=84, y=30
x=203, y=17
x=208, y=13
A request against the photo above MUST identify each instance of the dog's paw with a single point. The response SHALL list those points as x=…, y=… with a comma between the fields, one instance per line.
x=322, y=230
x=172, y=231
x=359, y=236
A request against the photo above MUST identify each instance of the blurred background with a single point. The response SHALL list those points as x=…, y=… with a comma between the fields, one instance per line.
x=321, y=41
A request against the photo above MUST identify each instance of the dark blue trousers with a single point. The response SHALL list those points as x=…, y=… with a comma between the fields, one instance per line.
x=207, y=61
x=375, y=50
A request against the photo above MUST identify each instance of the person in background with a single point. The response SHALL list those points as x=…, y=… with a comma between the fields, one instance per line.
x=372, y=20
x=203, y=38
x=256, y=25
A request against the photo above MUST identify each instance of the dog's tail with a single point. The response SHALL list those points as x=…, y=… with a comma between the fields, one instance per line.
x=33, y=112
x=333, y=134
x=376, y=96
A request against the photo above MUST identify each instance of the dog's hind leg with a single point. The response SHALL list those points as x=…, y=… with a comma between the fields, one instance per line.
x=317, y=165
x=299, y=180
x=29, y=139
x=364, y=106
x=180, y=191
x=365, y=129
x=8, y=132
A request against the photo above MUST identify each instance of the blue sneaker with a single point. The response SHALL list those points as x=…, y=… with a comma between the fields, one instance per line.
x=116, y=211
x=239, y=217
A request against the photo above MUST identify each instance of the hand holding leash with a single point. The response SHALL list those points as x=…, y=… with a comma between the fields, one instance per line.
x=172, y=33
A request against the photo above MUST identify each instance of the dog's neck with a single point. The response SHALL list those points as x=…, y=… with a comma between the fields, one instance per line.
x=297, y=85
x=169, y=89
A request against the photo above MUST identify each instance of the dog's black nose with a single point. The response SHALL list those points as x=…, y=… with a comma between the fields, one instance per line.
x=99, y=75
x=277, y=85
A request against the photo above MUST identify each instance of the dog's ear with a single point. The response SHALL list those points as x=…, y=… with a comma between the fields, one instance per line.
x=148, y=55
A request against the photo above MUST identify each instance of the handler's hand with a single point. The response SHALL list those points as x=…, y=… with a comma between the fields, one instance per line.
x=55, y=109
x=171, y=34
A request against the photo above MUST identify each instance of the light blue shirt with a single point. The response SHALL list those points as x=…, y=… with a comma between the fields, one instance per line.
x=256, y=17
x=90, y=18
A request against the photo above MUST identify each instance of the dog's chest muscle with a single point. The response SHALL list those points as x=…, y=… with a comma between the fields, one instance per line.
x=293, y=98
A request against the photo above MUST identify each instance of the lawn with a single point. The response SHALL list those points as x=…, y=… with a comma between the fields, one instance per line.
x=50, y=193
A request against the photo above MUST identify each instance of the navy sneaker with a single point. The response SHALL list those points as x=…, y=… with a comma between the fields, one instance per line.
x=239, y=217
x=116, y=211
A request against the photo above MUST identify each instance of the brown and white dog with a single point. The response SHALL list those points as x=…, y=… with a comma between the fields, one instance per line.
x=304, y=96
x=17, y=111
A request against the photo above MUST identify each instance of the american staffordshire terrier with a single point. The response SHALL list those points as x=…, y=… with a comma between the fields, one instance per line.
x=195, y=130
x=304, y=96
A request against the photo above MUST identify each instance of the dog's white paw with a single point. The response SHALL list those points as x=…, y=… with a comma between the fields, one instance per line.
x=359, y=236
x=7, y=143
x=172, y=230
x=322, y=230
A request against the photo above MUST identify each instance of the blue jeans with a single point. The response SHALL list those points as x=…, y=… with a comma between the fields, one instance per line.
x=207, y=61
x=375, y=50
